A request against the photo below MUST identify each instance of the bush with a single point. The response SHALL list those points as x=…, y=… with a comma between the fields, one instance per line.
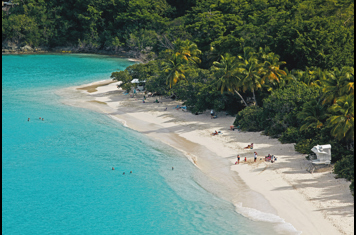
x=304, y=146
x=291, y=135
x=345, y=169
x=280, y=109
x=249, y=119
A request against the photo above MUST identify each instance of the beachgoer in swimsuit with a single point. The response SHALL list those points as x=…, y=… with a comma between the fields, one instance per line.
x=238, y=159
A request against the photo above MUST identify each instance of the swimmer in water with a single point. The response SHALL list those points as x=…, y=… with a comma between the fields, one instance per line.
x=42, y=119
x=123, y=173
x=172, y=168
x=112, y=168
x=28, y=119
x=130, y=172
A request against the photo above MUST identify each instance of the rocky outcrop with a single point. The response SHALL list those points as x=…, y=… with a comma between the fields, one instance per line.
x=12, y=48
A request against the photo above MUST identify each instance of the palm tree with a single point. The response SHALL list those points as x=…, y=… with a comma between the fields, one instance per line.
x=263, y=52
x=317, y=76
x=285, y=79
x=271, y=67
x=348, y=80
x=342, y=120
x=249, y=74
x=311, y=77
x=313, y=115
x=338, y=83
x=186, y=51
x=175, y=70
x=226, y=71
x=270, y=70
x=175, y=64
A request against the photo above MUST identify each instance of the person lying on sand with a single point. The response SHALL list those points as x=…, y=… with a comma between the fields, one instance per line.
x=250, y=146
x=215, y=133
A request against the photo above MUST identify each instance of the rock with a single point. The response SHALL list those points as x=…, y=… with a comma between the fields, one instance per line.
x=26, y=48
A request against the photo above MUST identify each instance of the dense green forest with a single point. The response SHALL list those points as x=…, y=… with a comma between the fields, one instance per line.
x=284, y=67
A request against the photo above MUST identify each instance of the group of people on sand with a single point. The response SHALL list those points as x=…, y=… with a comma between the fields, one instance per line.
x=245, y=160
x=39, y=118
x=268, y=158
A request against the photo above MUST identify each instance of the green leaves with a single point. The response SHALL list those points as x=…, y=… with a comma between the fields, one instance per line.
x=313, y=115
x=338, y=83
x=178, y=59
x=342, y=120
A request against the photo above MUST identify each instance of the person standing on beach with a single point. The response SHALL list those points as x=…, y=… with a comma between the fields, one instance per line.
x=245, y=159
x=238, y=159
x=254, y=156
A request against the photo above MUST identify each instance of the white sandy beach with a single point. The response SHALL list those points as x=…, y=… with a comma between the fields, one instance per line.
x=283, y=193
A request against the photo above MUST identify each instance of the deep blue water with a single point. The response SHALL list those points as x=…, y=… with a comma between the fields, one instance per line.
x=56, y=173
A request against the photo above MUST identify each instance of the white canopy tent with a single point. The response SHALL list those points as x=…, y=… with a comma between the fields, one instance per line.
x=140, y=84
x=135, y=80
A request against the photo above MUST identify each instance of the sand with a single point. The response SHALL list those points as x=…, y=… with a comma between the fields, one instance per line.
x=282, y=193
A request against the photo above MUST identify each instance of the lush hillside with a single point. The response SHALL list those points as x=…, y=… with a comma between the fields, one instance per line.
x=284, y=67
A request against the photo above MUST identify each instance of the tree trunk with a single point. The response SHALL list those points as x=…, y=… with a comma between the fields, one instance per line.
x=241, y=98
x=254, y=97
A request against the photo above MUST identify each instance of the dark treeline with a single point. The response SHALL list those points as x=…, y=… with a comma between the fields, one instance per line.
x=304, y=33
x=284, y=67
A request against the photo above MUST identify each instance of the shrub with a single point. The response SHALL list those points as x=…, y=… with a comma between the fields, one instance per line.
x=304, y=146
x=345, y=169
x=249, y=119
x=280, y=109
x=291, y=135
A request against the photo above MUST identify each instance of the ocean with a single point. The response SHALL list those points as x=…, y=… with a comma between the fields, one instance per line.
x=57, y=175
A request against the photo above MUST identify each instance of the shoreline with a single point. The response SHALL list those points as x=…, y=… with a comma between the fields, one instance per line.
x=122, y=56
x=283, y=193
x=69, y=50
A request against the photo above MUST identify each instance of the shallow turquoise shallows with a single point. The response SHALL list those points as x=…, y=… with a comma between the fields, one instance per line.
x=57, y=176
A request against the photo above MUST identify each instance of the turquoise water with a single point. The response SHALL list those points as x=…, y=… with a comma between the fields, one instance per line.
x=56, y=173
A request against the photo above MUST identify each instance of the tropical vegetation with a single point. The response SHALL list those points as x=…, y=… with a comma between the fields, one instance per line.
x=282, y=67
